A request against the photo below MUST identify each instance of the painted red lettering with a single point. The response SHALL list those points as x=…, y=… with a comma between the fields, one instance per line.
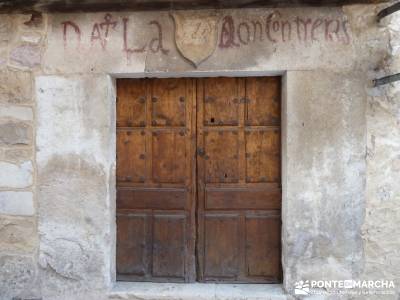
x=302, y=24
x=317, y=23
x=126, y=49
x=67, y=24
x=246, y=39
x=156, y=44
x=268, y=28
x=227, y=39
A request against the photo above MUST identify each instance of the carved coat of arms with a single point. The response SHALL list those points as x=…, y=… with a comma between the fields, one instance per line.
x=196, y=34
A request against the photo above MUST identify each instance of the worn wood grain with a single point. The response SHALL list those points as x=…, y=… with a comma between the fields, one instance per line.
x=239, y=180
x=155, y=182
x=198, y=162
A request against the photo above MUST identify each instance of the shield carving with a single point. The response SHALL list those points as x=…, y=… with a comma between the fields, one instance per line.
x=196, y=34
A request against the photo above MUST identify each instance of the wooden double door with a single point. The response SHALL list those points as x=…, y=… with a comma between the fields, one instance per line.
x=198, y=180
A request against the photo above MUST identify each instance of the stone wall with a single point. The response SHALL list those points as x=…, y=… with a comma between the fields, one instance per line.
x=341, y=136
x=380, y=234
x=21, y=44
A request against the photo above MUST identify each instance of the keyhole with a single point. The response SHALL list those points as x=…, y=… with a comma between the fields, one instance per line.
x=226, y=175
x=212, y=120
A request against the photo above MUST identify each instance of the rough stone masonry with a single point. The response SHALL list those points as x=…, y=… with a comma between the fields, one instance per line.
x=341, y=139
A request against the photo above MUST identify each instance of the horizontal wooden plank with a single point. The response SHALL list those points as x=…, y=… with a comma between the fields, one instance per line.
x=138, y=278
x=247, y=128
x=245, y=185
x=151, y=198
x=153, y=129
x=243, y=199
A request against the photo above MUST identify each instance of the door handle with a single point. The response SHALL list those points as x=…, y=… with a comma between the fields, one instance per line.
x=201, y=152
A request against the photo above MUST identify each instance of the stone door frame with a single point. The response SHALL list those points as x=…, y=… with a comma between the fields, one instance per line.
x=284, y=83
x=84, y=105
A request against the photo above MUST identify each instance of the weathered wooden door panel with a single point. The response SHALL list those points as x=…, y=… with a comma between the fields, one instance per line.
x=221, y=245
x=220, y=101
x=153, y=198
x=263, y=101
x=239, y=180
x=132, y=167
x=263, y=155
x=169, y=244
x=132, y=235
x=268, y=197
x=151, y=245
x=230, y=139
x=156, y=180
x=263, y=233
x=131, y=108
x=169, y=102
x=221, y=160
x=166, y=146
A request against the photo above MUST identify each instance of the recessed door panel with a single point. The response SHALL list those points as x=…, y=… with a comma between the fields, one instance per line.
x=169, y=246
x=169, y=155
x=263, y=155
x=262, y=101
x=131, y=103
x=132, y=244
x=168, y=98
x=132, y=167
x=221, y=156
x=221, y=101
x=263, y=246
x=221, y=246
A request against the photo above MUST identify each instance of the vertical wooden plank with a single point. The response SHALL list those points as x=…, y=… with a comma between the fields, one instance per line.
x=242, y=174
x=242, y=272
x=150, y=248
x=148, y=133
x=200, y=177
x=191, y=108
x=241, y=139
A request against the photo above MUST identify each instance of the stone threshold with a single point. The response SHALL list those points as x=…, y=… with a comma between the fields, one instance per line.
x=196, y=291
